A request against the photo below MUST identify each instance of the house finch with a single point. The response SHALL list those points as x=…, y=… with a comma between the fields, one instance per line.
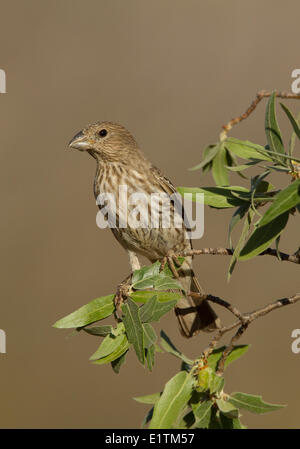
x=120, y=162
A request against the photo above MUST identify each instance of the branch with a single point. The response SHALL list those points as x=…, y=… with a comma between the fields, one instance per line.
x=259, y=96
x=244, y=320
x=295, y=258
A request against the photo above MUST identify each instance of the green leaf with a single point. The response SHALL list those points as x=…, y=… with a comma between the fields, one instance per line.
x=146, y=295
x=187, y=421
x=284, y=201
x=252, y=403
x=271, y=127
x=202, y=414
x=165, y=282
x=205, y=376
x=95, y=310
x=134, y=328
x=147, y=418
x=208, y=155
x=292, y=141
x=175, y=396
x=110, y=343
x=237, y=216
x=247, y=150
x=241, y=242
x=116, y=364
x=263, y=236
x=99, y=331
x=229, y=423
x=150, y=336
x=214, y=358
x=146, y=272
x=215, y=422
x=168, y=346
x=219, y=197
x=227, y=408
x=292, y=120
x=120, y=350
x=148, y=282
x=219, y=170
x=150, y=356
x=153, y=310
x=244, y=166
x=148, y=399
x=216, y=383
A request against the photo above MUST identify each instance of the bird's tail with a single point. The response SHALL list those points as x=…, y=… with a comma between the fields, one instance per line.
x=194, y=314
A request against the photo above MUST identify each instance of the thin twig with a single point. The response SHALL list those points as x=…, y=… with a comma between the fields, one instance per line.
x=245, y=319
x=259, y=96
x=294, y=258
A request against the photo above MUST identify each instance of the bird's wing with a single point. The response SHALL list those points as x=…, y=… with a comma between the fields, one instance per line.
x=169, y=188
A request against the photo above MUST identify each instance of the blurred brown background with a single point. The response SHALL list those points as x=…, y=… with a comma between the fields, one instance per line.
x=173, y=72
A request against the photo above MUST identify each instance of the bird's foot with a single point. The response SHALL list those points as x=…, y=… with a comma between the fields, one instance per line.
x=120, y=296
x=172, y=260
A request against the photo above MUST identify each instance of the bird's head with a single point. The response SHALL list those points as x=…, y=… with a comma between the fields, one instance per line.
x=105, y=141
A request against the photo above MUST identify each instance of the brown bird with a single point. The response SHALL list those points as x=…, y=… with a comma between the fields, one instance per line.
x=120, y=162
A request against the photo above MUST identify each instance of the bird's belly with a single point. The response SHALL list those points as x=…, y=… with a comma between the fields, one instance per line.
x=153, y=243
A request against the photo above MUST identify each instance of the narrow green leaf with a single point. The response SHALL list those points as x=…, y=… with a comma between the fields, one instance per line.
x=99, y=331
x=146, y=272
x=292, y=141
x=148, y=399
x=175, y=396
x=229, y=423
x=147, y=418
x=235, y=354
x=95, y=310
x=153, y=310
x=237, y=216
x=134, y=328
x=187, y=421
x=208, y=155
x=244, y=166
x=168, y=346
x=271, y=127
x=120, y=350
x=216, y=383
x=247, y=150
x=147, y=310
x=219, y=170
x=227, y=408
x=263, y=236
x=144, y=296
x=202, y=414
x=252, y=403
x=116, y=364
x=241, y=242
x=284, y=201
x=145, y=283
x=110, y=343
x=164, y=282
x=292, y=120
x=150, y=336
x=150, y=356
x=219, y=197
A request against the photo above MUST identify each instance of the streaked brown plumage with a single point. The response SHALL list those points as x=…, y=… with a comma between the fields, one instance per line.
x=121, y=162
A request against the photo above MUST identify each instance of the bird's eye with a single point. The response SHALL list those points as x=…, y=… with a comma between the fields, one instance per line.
x=102, y=133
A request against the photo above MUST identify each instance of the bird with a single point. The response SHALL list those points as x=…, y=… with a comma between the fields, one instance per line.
x=121, y=162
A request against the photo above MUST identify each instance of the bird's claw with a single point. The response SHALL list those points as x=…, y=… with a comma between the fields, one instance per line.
x=121, y=294
x=172, y=261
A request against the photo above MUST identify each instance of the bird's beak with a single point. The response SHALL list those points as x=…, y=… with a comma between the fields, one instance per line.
x=80, y=142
